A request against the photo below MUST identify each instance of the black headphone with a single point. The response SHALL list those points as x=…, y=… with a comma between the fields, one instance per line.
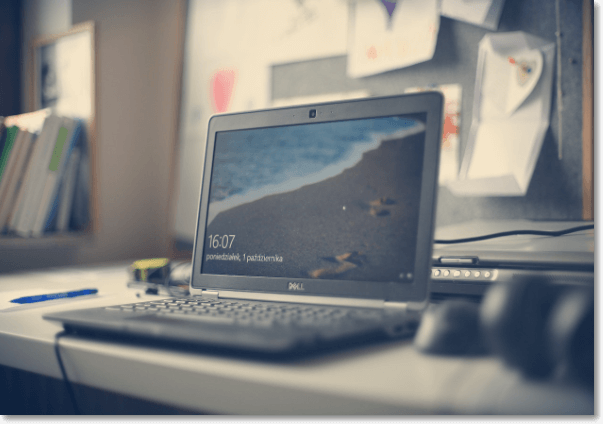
x=542, y=328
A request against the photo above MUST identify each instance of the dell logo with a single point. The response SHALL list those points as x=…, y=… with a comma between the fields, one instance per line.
x=293, y=285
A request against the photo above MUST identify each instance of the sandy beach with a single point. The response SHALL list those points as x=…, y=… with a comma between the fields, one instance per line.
x=355, y=225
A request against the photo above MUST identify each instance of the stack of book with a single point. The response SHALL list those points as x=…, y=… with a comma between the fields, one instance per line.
x=43, y=174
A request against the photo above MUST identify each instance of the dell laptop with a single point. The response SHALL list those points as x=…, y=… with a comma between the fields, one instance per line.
x=315, y=227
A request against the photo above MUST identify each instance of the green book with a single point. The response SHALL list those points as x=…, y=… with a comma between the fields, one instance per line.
x=2, y=135
x=11, y=134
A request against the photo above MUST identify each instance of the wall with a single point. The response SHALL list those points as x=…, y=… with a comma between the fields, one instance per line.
x=137, y=89
x=555, y=192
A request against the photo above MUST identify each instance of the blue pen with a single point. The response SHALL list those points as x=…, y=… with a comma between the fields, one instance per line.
x=53, y=296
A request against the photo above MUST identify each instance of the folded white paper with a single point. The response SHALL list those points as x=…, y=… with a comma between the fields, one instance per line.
x=511, y=108
x=386, y=35
x=484, y=13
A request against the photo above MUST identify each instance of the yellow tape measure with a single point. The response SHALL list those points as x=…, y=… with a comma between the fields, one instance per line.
x=156, y=270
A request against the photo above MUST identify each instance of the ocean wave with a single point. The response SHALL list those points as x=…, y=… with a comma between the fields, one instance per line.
x=351, y=159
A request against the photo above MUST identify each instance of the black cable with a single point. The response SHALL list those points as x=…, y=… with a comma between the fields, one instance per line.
x=61, y=366
x=517, y=232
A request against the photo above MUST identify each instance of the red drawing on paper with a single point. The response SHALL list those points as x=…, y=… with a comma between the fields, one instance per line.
x=371, y=53
x=222, y=86
x=450, y=128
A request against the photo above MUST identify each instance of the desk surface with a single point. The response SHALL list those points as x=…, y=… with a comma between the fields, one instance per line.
x=390, y=378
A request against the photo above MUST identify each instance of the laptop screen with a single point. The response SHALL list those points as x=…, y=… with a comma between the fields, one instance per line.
x=333, y=199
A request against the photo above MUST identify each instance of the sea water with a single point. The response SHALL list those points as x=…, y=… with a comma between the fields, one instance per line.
x=251, y=164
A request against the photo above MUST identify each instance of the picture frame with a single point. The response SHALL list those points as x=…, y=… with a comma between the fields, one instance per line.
x=62, y=78
x=63, y=72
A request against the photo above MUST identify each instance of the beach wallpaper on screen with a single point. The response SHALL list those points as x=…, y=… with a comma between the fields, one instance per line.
x=335, y=200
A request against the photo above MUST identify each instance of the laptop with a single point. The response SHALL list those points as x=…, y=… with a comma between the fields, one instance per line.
x=315, y=228
x=471, y=267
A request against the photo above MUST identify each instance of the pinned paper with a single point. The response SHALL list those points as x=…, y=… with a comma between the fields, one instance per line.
x=484, y=13
x=449, y=151
x=511, y=112
x=268, y=31
x=32, y=121
x=510, y=80
x=222, y=84
x=386, y=35
x=299, y=30
x=390, y=7
x=232, y=86
x=320, y=98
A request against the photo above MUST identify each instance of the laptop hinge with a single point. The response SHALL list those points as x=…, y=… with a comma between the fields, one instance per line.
x=210, y=294
x=398, y=306
x=410, y=308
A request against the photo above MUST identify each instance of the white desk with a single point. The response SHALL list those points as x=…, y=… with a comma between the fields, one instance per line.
x=385, y=379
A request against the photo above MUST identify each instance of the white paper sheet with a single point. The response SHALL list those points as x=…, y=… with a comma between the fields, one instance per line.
x=271, y=31
x=449, y=152
x=383, y=38
x=484, y=13
x=510, y=115
x=31, y=121
x=233, y=86
x=320, y=98
x=297, y=30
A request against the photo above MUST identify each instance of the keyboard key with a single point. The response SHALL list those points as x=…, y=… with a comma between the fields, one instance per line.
x=363, y=314
x=205, y=318
x=262, y=322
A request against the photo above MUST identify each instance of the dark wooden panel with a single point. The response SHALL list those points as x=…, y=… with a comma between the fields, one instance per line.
x=10, y=62
x=588, y=125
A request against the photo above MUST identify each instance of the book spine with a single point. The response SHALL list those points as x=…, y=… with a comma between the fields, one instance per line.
x=52, y=178
x=39, y=177
x=15, y=214
x=2, y=133
x=50, y=211
x=11, y=135
x=10, y=165
x=80, y=210
x=8, y=202
x=67, y=191
x=18, y=217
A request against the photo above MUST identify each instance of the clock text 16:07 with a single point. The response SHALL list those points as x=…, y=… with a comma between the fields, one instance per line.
x=225, y=241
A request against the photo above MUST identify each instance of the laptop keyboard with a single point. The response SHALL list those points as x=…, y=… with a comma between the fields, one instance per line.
x=265, y=314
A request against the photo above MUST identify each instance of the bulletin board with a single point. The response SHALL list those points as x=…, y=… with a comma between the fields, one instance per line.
x=556, y=188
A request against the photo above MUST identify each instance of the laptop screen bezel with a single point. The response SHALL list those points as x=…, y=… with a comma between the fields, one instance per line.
x=430, y=103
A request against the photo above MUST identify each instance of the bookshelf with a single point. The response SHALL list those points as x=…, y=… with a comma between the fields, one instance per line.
x=44, y=176
x=50, y=164
x=51, y=241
